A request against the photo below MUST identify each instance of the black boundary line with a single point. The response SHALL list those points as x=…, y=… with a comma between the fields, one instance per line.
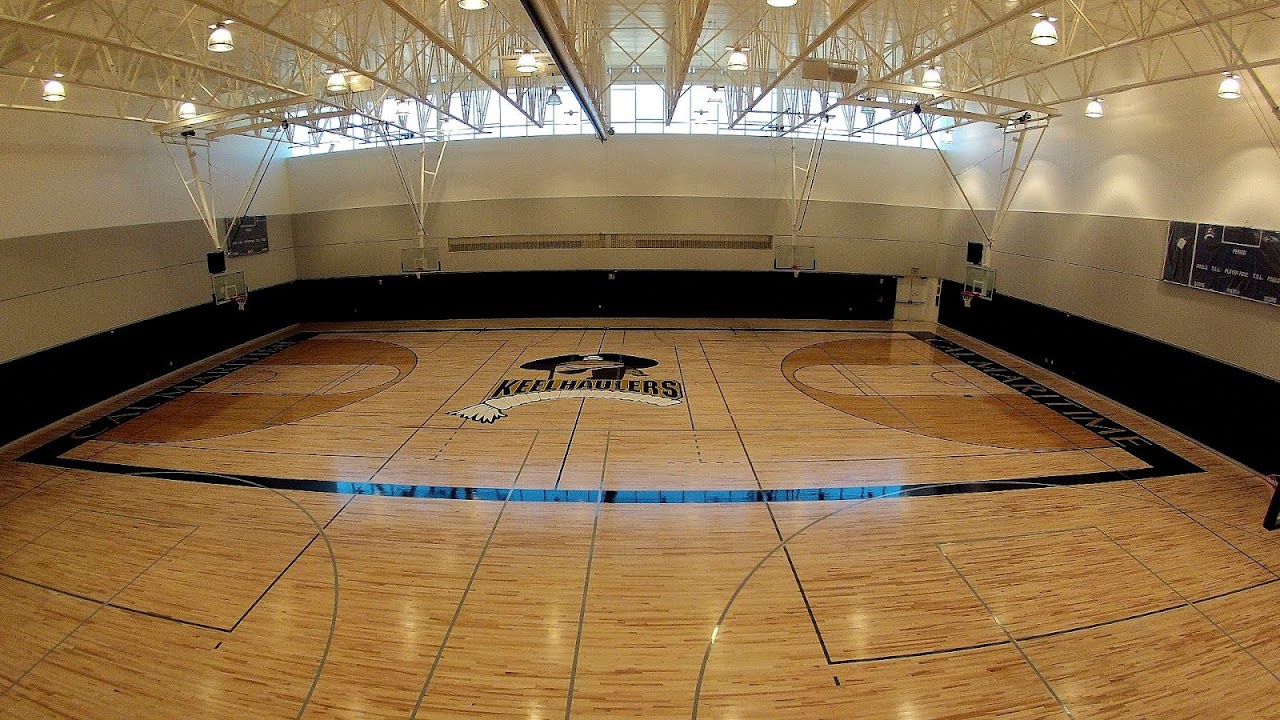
x=586, y=585
x=813, y=618
x=1190, y=603
x=126, y=608
x=564, y=461
x=1013, y=641
x=314, y=536
x=1193, y=516
x=466, y=589
x=1052, y=633
x=1162, y=462
x=101, y=605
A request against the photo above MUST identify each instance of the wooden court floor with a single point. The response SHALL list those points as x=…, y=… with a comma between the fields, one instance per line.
x=641, y=519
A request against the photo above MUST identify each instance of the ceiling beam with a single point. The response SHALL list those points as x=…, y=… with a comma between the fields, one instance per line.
x=841, y=20
x=443, y=43
x=144, y=52
x=961, y=95
x=679, y=57
x=1019, y=11
x=337, y=62
x=1136, y=38
x=549, y=22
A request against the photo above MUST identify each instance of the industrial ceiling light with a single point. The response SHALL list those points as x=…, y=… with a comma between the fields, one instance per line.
x=1044, y=33
x=187, y=110
x=781, y=3
x=220, y=38
x=1228, y=90
x=473, y=4
x=554, y=98
x=737, y=59
x=1094, y=108
x=54, y=90
x=337, y=82
x=932, y=78
x=527, y=63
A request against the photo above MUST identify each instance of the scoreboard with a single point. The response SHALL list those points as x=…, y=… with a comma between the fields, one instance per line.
x=1239, y=261
x=246, y=235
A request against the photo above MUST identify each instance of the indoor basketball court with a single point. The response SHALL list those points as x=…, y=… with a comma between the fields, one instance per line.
x=653, y=519
x=719, y=359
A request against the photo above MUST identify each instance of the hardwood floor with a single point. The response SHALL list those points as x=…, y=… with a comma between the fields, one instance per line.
x=657, y=519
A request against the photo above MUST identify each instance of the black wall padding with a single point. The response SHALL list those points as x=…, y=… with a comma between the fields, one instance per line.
x=1231, y=410
x=54, y=383
x=591, y=293
x=51, y=384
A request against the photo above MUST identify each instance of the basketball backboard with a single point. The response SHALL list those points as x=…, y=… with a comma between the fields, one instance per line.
x=227, y=287
x=419, y=260
x=981, y=280
x=794, y=257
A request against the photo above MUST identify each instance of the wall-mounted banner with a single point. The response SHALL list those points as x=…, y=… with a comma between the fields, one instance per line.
x=604, y=376
x=1239, y=261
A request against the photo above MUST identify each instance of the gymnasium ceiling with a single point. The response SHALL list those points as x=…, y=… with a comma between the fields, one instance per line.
x=140, y=59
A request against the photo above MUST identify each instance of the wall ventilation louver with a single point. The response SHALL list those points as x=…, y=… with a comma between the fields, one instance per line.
x=609, y=241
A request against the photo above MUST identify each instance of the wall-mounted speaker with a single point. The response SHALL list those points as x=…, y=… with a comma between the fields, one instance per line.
x=217, y=262
x=973, y=255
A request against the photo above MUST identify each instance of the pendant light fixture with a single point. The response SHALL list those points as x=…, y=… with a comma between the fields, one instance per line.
x=932, y=78
x=1094, y=108
x=1229, y=89
x=1044, y=33
x=220, y=39
x=54, y=91
x=737, y=59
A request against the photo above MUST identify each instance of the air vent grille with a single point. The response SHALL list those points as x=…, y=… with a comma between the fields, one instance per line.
x=609, y=241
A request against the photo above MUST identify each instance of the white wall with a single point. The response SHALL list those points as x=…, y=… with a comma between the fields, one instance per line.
x=97, y=232
x=1088, y=231
x=874, y=208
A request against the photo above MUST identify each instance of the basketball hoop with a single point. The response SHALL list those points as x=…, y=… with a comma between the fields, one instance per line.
x=241, y=300
x=795, y=270
x=967, y=296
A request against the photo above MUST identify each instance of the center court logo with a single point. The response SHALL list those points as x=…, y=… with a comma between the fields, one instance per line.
x=606, y=376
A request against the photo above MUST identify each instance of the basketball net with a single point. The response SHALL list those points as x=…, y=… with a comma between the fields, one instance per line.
x=968, y=297
x=795, y=270
x=241, y=300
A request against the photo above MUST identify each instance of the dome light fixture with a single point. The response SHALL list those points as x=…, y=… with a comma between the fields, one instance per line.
x=1044, y=33
x=527, y=63
x=54, y=91
x=187, y=110
x=737, y=59
x=1094, y=108
x=780, y=3
x=473, y=4
x=220, y=39
x=554, y=98
x=932, y=78
x=337, y=82
x=1228, y=90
